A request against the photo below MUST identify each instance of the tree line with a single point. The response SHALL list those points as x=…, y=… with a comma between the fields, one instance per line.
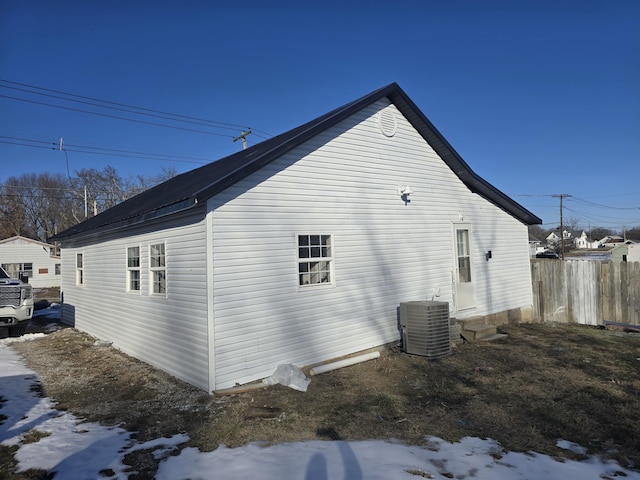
x=40, y=205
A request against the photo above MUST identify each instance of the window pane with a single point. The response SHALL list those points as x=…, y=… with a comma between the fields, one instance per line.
x=134, y=280
x=303, y=252
x=315, y=252
x=157, y=255
x=303, y=267
x=159, y=282
x=303, y=240
x=315, y=239
x=133, y=257
x=79, y=260
x=464, y=269
x=463, y=242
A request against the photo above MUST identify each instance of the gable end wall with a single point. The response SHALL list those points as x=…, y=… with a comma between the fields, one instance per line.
x=344, y=182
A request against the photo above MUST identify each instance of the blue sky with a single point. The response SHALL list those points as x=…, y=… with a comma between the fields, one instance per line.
x=539, y=97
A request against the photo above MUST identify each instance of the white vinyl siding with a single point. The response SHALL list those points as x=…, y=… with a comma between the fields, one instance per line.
x=169, y=333
x=345, y=181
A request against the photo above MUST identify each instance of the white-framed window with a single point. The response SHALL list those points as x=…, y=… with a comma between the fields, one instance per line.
x=133, y=269
x=79, y=269
x=158, y=269
x=57, y=269
x=464, y=256
x=315, y=260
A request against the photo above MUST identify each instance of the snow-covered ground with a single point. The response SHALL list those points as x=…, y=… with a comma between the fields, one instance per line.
x=74, y=448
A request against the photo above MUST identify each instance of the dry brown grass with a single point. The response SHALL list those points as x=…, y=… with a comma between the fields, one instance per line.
x=540, y=384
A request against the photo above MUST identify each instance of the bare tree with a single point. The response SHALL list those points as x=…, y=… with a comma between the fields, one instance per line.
x=35, y=206
x=633, y=233
x=40, y=205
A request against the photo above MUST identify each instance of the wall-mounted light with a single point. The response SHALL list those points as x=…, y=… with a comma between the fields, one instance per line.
x=488, y=255
x=404, y=193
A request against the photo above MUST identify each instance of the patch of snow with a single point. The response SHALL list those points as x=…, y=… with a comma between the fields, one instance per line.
x=73, y=448
x=572, y=447
x=23, y=338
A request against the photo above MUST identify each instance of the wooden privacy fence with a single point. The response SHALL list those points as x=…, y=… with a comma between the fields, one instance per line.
x=589, y=292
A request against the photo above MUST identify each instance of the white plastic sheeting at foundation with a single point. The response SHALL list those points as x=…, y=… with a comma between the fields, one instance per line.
x=343, y=363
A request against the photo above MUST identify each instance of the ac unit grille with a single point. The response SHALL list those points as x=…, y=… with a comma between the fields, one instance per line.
x=425, y=328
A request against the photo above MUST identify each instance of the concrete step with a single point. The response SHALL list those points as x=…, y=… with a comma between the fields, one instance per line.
x=473, y=322
x=473, y=333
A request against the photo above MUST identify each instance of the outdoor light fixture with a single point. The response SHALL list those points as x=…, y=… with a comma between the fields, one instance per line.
x=488, y=255
x=404, y=193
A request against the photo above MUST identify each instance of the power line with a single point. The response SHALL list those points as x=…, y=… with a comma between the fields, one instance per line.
x=126, y=110
x=593, y=204
x=92, y=150
x=106, y=115
x=157, y=113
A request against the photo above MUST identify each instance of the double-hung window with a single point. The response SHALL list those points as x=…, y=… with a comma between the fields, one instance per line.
x=315, y=259
x=158, y=269
x=79, y=269
x=133, y=269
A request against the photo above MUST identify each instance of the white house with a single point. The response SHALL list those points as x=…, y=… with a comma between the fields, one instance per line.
x=582, y=241
x=21, y=256
x=299, y=249
x=611, y=241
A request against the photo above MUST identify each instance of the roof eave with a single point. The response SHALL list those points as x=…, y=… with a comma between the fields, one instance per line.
x=164, y=211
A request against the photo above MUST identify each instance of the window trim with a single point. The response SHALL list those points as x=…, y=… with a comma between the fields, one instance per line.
x=330, y=259
x=135, y=268
x=153, y=270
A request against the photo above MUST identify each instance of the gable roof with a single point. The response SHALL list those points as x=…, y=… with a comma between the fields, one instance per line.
x=196, y=186
x=20, y=240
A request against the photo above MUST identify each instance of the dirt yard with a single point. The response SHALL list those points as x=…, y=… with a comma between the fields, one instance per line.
x=540, y=384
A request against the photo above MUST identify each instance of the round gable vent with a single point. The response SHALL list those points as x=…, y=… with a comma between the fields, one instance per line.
x=387, y=122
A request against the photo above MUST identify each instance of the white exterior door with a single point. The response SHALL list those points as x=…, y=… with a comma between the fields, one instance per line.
x=465, y=288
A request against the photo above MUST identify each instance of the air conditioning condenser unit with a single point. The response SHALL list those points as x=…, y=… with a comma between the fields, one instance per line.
x=425, y=328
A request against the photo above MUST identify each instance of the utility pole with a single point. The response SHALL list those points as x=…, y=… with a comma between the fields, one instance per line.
x=562, y=196
x=243, y=137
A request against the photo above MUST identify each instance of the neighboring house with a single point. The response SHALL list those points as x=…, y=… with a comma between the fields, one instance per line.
x=298, y=250
x=582, y=241
x=610, y=241
x=535, y=246
x=553, y=240
x=626, y=252
x=21, y=256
